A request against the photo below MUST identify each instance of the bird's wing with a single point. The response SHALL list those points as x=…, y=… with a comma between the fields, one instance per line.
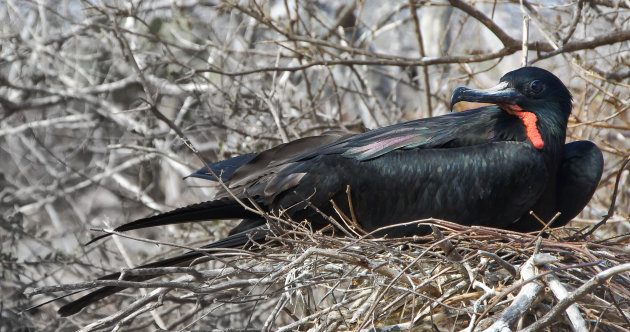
x=224, y=168
x=244, y=168
x=456, y=129
x=452, y=130
x=267, y=174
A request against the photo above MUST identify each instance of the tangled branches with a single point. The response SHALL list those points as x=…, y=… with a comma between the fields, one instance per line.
x=460, y=277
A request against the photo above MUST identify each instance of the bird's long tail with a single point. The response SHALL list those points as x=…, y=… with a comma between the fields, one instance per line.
x=226, y=208
x=190, y=258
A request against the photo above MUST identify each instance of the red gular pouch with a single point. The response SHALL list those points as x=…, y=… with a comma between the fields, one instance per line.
x=529, y=120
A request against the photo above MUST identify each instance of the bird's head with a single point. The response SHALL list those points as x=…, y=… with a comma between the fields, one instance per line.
x=529, y=88
x=530, y=93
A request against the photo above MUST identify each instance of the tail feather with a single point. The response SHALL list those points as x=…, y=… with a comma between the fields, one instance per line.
x=192, y=257
x=218, y=209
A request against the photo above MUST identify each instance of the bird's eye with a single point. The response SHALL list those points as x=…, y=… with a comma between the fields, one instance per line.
x=536, y=86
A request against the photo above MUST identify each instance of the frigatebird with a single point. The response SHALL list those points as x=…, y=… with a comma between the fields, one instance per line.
x=487, y=166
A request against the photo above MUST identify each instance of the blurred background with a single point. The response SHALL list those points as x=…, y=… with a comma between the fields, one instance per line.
x=93, y=94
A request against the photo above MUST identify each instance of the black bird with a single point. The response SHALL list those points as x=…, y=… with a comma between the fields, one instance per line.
x=488, y=166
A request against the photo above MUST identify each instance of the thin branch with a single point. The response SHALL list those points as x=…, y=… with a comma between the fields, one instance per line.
x=585, y=289
x=425, y=70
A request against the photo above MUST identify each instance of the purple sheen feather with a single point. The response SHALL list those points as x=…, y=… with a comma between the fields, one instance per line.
x=378, y=148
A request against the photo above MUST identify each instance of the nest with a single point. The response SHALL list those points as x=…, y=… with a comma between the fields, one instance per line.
x=456, y=278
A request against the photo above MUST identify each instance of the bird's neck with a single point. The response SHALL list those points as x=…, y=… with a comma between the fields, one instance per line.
x=552, y=126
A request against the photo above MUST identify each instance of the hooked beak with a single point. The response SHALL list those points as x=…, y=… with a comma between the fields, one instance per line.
x=498, y=95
